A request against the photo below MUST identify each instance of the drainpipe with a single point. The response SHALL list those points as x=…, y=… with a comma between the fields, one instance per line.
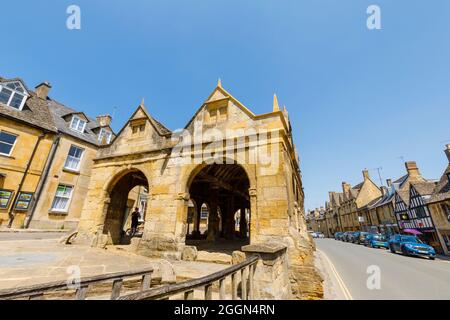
x=43, y=180
x=19, y=189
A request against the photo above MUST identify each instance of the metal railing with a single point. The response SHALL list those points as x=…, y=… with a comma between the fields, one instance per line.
x=246, y=270
x=37, y=292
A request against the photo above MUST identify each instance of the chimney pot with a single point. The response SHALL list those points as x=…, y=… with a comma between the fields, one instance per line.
x=389, y=182
x=43, y=89
x=104, y=120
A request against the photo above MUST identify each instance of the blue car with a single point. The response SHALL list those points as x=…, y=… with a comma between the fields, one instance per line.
x=411, y=245
x=338, y=235
x=378, y=241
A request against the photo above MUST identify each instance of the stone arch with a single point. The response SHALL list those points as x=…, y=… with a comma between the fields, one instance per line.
x=226, y=188
x=121, y=203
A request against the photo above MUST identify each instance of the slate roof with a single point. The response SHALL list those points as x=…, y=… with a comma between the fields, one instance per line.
x=35, y=112
x=442, y=190
x=59, y=111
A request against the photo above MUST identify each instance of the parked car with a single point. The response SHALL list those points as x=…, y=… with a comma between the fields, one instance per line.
x=362, y=237
x=378, y=241
x=354, y=237
x=411, y=245
x=346, y=236
x=338, y=235
x=320, y=235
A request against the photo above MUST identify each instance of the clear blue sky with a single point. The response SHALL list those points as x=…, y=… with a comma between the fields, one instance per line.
x=357, y=98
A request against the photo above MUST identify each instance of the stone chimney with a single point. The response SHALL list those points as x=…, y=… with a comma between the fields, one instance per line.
x=447, y=152
x=346, y=187
x=366, y=174
x=389, y=183
x=384, y=190
x=43, y=89
x=104, y=120
x=412, y=169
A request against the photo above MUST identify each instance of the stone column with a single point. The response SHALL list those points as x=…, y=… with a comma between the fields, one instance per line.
x=196, y=218
x=213, y=219
x=243, y=223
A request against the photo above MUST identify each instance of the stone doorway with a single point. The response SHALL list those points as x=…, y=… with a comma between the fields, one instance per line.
x=219, y=210
x=128, y=191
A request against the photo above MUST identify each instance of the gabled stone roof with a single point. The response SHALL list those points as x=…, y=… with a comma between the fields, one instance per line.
x=35, y=112
x=442, y=190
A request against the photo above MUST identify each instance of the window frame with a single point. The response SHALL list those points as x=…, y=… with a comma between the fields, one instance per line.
x=74, y=117
x=14, y=92
x=108, y=133
x=69, y=200
x=12, y=146
x=80, y=159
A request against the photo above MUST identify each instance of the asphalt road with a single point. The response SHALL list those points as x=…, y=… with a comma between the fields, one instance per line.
x=400, y=277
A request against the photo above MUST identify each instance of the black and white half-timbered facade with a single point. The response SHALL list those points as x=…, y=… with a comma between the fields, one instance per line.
x=418, y=215
x=411, y=211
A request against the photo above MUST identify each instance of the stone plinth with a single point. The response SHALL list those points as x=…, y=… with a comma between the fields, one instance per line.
x=271, y=278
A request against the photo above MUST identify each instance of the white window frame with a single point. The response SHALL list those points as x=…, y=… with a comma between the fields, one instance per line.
x=79, y=162
x=107, y=132
x=79, y=119
x=13, y=145
x=69, y=200
x=24, y=94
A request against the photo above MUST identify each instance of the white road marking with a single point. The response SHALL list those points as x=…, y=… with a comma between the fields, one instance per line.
x=341, y=283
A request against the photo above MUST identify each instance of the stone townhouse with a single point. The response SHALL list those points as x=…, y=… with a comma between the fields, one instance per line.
x=380, y=212
x=333, y=219
x=353, y=208
x=439, y=206
x=47, y=151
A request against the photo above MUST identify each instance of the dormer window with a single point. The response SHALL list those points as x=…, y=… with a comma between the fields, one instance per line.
x=13, y=94
x=77, y=124
x=106, y=135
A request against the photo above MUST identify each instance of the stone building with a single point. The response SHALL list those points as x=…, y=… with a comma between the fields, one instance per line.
x=439, y=206
x=380, y=212
x=354, y=202
x=237, y=163
x=46, y=152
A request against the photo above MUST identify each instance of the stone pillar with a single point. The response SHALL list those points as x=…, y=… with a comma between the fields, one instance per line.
x=243, y=223
x=271, y=277
x=196, y=218
x=213, y=219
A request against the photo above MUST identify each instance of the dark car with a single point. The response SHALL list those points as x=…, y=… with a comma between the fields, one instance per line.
x=346, y=236
x=338, y=235
x=411, y=245
x=362, y=237
x=354, y=237
x=378, y=241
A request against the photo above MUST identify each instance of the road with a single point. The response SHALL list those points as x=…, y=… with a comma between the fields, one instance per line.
x=401, y=277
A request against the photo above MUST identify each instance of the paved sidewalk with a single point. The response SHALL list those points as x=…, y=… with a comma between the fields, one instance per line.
x=28, y=262
x=333, y=286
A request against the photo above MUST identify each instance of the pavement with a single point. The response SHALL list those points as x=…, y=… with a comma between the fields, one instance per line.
x=29, y=262
x=356, y=272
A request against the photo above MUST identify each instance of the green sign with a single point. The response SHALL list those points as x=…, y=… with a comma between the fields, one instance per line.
x=23, y=201
x=5, y=198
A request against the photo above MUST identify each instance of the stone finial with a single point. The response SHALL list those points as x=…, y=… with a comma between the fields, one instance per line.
x=142, y=103
x=447, y=152
x=276, y=107
x=366, y=174
x=219, y=83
